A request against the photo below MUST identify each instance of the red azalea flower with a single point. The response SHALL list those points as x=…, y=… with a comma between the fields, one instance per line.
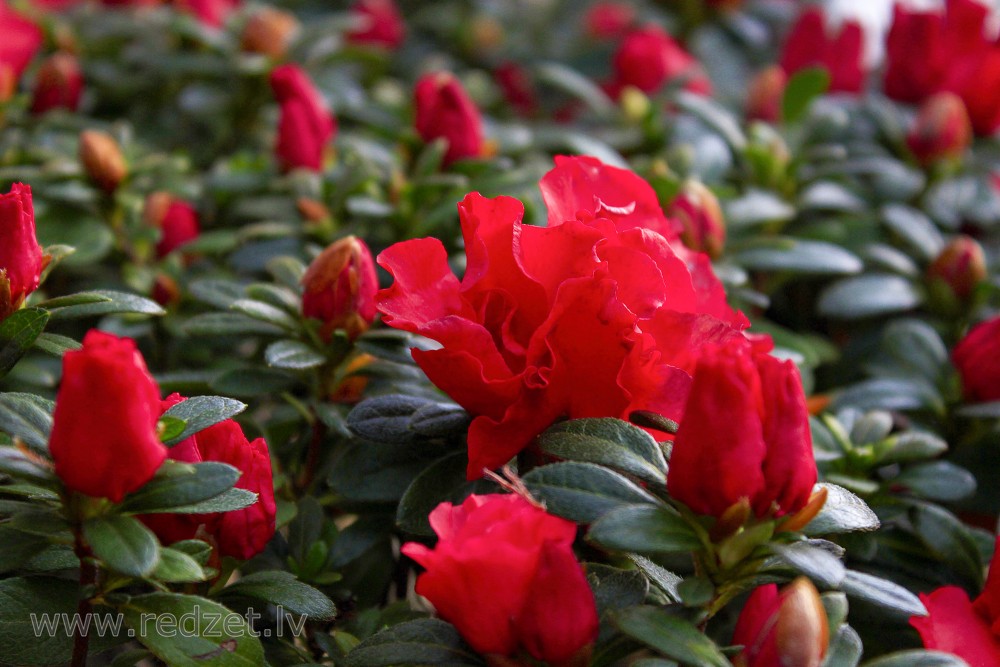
x=504, y=574
x=608, y=20
x=517, y=87
x=58, y=84
x=382, y=25
x=306, y=124
x=21, y=258
x=339, y=288
x=212, y=13
x=649, y=58
x=970, y=630
x=444, y=109
x=21, y=40
x=977, y=358
x=595, y=316
x=809, y=45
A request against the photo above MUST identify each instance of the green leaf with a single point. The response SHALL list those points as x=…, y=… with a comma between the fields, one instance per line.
x=575, y=84
x=757, y=207
x=123, y=543
x=915, y=229
x=948, y=540
x=223, y=639
x=227, y=501
x=917, y=348
x=218, y=293
x=399, y=419
x=715, y=117
x=17, y=547
x=24, y=599
x=937, y=480
x=293, y=354
x=917, y=658
x=799, y=256
x=18, y=333
x=265, y=312
x=252, y=382
x=989, y=410
x=114, y=302
x=426, y=641
x=200, y=412
x=283, y=589
x=815, y=562
x=179, y=484
x=672, y=636
x=15, y=463
x=869, y=295
x=55, y=344
x=644, y=529
x=610, y=442
x=583, y=492
x=843, y=512
x=802, y=88
x=895, y=600
x=845, y=648
x=27, y=417
x=442, y=480
x=175, y=566
x=665, y=580
x=229, y=324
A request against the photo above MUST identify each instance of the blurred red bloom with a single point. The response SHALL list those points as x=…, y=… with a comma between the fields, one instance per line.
x=977, y=358
x=21, y=40
x=21, y=258
x=648, y=58
x=381, y=24
x=810, y=45
x=595, y=316
x=444, y=110
x=306, y=124
x=504, y=574
x=210, y=12
x=608, y=20
x=58, y=84
x=517, y=87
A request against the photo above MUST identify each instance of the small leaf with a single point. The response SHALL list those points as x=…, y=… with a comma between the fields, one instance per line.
x=27, y=417
x=815, y=562
x=175, y=566
x=937, y=480
x=843, y=512
x=671, y=636
x=891, y=597
x=284, y=590
x=227, y=501
x=265, y=312
x=845, y=648
x=869, y=295
x=180, y=484
x=55, y=344
x=610, y=442
x=426, y=641
x=799, y=256
x=644, y=529
x=200, y=412
x=583, y=492
x=292, y=354
x=917, y=658
x=802, y=88
x=112, y=302
x=18, y=333
x=123, y=543
x=229, y=324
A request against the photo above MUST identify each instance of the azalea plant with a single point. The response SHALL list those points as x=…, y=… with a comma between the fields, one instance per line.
x=457, y=332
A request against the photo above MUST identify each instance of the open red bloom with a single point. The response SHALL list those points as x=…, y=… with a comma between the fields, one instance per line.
x=595, y=316
x=810, y=45
x=444, y=109
x=977, y=358
x=649, y=58
x=504, y=574
x=745, y=428
x=21, y=258
x=970, y=630
x=306, y=124
x=104, y=438
x=381, y=24
x=241, y=533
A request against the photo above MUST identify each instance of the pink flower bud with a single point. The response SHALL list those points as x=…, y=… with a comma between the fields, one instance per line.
x=339, y=288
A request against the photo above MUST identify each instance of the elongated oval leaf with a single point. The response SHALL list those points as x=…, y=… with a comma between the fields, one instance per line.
x=843, y=512
x=27, y=417
x=426, y=641
x=200, y=412
x=610, y=442
x=18, y=333
x=292, y=354
x=643, y=529
x=869, y=296
x=582, y=492
x=179, y=484
x=672, y=636
x=123, y=543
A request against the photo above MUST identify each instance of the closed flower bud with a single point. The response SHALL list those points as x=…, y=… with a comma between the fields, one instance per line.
x=504, y=574
x=242, y=533
x=102, y=159
x=21, y=258
x=745, y=428
x=518, y=88
x=379, y=24
x=977, y=358
x=942, y=129
x=764, y=94
x=649, y=58
x=306, y=124
x=312, y=210
x=339, y=288
x=58, y=84
x=166, y=292
x=104, y=438
x=700, y=215
x=782, y=629
x=961, y=266
x=269, y=32
x=444, y=110
x=177, y=221
x=608, y=20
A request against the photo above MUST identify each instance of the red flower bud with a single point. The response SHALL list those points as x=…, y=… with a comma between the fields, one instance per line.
x=340, y=287
x=504, y=574
x=648, y=58
x=21, y=258
x=443, y=109
x=104, y=438
x=961, y=266
x=166, y=292
x=59, y=83
x=102, y=159
x=977, y=358
x=517, y=87
x=608, y=20
x=700, y=215
x=942, y=129
x=745, y=428
x=765, y=93
x=306, y=124
x=786, y=629
x=212, y=13
x=842, y=55
x=177, y=221
x=381, y=24
x=269, y=32
x=241, y=533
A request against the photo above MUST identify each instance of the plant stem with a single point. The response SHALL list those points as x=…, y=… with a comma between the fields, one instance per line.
x=88, y=577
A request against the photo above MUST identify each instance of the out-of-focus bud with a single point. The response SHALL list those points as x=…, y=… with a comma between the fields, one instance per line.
x=444, y=109
x=518, y=88
x=961, y=266
x=942, y=129
x=381, y=24
x=102, y=159
x=312, y=210
x=58, y=84
x=608, y=20
x=700, y=215
x=782, y=629
x=340, y=287
x=166, y=292
x=486, y=33
x=269, y=32
x=177, y=221
x=764, y=94
x=8, y=82
x=635, y=104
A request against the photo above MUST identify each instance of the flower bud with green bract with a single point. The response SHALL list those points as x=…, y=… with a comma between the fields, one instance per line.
x=504, y=574
x=21, y=258
x=339, y=288
x=744, y=436
x=961, y=266
x=104, y=438
x=941, y=130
